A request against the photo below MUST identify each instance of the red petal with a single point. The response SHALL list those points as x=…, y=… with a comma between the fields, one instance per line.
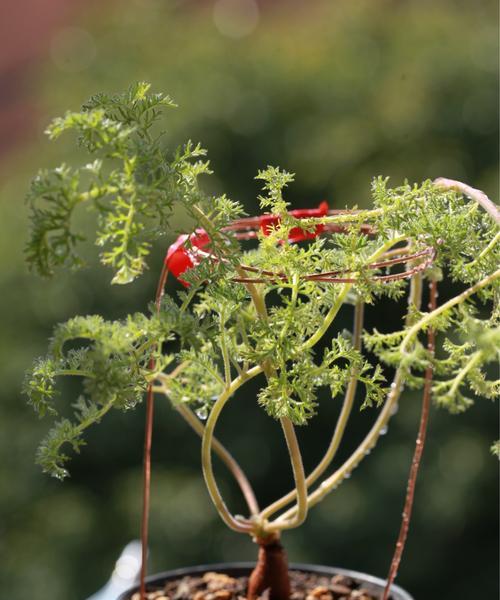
x=267, y=223
x=179, y=259
x=297, y=234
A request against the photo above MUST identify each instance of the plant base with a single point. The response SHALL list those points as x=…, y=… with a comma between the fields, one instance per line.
x=229, y=582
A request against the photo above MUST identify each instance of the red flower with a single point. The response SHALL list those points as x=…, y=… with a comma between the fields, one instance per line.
x=297, y=234
x=180, y=258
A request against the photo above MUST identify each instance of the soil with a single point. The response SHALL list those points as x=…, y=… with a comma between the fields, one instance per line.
x=217, y=586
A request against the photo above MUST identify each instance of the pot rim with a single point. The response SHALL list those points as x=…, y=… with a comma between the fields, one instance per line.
x=245, y=565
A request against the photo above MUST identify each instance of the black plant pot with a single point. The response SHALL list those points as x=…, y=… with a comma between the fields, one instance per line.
x=370, y=583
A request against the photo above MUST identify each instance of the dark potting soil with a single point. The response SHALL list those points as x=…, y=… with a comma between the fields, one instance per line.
x=217, y=586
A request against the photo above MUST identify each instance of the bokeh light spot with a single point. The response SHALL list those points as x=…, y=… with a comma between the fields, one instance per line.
x=236, y=18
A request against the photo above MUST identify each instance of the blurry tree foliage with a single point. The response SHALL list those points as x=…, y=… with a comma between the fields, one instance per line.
x=337, y=92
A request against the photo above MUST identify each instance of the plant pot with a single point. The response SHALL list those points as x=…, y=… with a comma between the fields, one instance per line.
x=372, y=584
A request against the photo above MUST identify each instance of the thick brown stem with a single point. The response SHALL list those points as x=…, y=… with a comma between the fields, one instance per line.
x=271, y=571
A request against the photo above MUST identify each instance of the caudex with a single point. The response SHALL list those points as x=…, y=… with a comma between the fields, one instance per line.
x=258, y=308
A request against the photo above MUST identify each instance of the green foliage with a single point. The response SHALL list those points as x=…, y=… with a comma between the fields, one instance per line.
x=131, y=184
x=495, y=448
x=457, y=228
x=222, y=328
x=320, y=92
x=275, y=180
x=465, y=363
x=327, y=102
x=199, y=383
x=113, y=362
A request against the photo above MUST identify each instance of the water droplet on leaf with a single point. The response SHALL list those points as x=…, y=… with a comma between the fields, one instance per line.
x=202, y=413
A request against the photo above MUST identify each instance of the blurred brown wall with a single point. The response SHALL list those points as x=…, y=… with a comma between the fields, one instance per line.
x=26, y=27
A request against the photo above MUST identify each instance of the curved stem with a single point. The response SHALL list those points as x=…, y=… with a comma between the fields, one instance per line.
x=472, y=362
x=346, y=287
x=480, y=197
x=427, y=319
x=206, y=453
x=330, y=483
x=339, y=429
x=286, y=424
x=486, y=250
x=299, y=511
x=298, y=474
x=96, y=417
x=245, y=486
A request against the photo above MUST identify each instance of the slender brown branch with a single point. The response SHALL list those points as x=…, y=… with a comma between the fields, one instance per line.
x=417, y=456
x=148, y=436
x=146, y=489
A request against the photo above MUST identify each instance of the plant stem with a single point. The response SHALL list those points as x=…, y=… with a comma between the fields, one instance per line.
x=148, y=434
x=330, y=483
x=480, y=197
x=190, y=295
x=224, y=352
x=339, y=429
x=417, y=456
x=351, y=217
x=471, y=363
x=245, y=486
x=298, y=473
x=230, y=388
x=271, y=571
x=357, y=456
x=486, y=250
x=286, y=424
x=332, y=313
x=427, y=319
x=146, y=489
x=206, y=453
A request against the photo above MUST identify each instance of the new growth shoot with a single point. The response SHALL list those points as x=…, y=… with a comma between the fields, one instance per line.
x=259, y=311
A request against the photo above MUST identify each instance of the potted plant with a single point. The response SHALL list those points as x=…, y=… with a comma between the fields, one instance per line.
x=258, y=311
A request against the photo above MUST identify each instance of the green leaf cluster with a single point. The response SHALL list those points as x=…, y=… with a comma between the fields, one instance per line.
x=113, y=362
x=219, y=329
x=131, y=183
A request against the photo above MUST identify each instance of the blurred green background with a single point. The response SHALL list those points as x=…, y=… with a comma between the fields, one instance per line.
x=337, y=91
